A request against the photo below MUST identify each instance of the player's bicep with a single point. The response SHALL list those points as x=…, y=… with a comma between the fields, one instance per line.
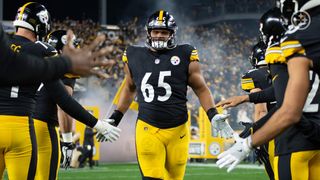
x=195, y=79
x=129, y=81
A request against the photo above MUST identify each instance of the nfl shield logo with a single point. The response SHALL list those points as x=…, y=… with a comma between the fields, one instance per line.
x=175, y=60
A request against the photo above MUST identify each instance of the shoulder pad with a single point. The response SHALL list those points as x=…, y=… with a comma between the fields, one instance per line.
x=46, y=49
x=194, y=56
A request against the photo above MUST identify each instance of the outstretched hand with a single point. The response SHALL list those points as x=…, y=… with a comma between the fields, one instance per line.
x=85, y=59
x=233, y=101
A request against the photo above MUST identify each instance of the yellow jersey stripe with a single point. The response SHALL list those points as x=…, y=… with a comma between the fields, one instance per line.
x=274, y=55
x=290, y=48
x=285, y=43
x=71, y=76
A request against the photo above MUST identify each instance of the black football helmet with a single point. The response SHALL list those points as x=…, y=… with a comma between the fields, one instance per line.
x=161, y=20
x=58, y=39
x=257, y=55
x=35, y=17
x=272, y=25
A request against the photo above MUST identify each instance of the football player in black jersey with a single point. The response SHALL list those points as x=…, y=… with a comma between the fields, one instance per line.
x=294, y=67
x=255, y=80
x=58, y=39
x=17, y=102
x=159, y=74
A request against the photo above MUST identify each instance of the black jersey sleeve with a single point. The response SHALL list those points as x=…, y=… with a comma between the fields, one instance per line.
x=248, y=81
x=21, y=68
x=59, y=94
x=266, y=95
x=192, y=52
x=303, y=42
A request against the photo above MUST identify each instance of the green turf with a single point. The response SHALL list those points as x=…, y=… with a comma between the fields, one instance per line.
x=131, y=171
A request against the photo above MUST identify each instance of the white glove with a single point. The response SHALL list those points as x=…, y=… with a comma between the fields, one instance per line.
x=106, y=131
x=220, y=123
x=67, y=147
x=234, y=155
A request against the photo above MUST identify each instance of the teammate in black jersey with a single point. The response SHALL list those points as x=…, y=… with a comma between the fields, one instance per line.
x=17, y=102
x=159, y=75
x=255, y=80
x=296, y=82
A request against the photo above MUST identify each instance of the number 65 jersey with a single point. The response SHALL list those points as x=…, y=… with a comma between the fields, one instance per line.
x=161, y=80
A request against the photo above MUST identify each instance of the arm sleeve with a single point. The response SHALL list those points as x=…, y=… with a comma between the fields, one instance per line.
x=59, y=94
x=266, y=95
x=20, y=68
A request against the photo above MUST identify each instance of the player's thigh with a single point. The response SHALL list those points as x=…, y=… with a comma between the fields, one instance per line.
x=150, y=151
x=315, y=166
x=177, y=153
x=48, y=151
x=294, y=166
x=21, y=156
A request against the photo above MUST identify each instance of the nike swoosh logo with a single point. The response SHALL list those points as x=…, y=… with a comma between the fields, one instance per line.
x=182, y=136
x=274, y=77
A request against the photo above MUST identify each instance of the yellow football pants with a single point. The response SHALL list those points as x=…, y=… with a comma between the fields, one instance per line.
x=303, y=165
x=48, y=150
x=18, y=147
x=162, y=153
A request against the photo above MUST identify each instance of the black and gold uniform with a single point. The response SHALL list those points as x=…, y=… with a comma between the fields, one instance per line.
x=257, y=78
x=161, y=80
x=31, y=69
x=46, y=126
x=260, y=78
x=19, y=148
x=297, y=156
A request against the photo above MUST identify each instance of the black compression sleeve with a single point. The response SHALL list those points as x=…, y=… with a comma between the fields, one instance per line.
x=266, y=95
x=20, y=68
x=211, y=113
x=60, y=95
x=116, y=116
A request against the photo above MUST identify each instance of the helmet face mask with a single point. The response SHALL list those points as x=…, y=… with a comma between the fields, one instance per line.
x=34, y=17
x=160, y=38
x=161, y=20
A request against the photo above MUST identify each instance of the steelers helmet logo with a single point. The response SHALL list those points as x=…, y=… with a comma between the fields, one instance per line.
x=64, y=39
x=301, y=19
x=175, y=60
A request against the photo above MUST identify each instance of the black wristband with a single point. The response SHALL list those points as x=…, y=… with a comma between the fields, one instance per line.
x=117, y=116
x=211, y=113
